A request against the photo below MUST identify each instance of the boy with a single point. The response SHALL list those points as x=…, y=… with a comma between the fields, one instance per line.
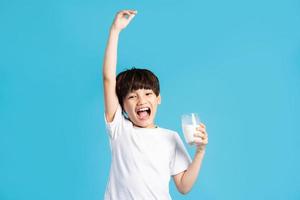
x=144, y=156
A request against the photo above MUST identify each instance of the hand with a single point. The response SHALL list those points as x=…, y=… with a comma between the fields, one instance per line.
x=122, y=19
x=201, y=138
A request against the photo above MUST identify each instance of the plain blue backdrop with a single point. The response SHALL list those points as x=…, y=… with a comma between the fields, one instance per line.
x=236, y=63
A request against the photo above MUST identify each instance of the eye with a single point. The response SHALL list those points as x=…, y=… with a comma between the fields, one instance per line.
x=149, y=93
x=131, y=96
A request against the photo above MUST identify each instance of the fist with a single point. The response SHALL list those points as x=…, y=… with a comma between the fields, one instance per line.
x=123, y=18
x=201, y=137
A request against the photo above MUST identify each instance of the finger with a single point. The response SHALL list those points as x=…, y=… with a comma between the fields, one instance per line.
x=131, y=16
x=199, y=134
x=129, y=12
x=202, y=125
x=124, y=13
x=205, y=141
x=202, y=129
x=133, y=12
x=121, y=12
x=203, y=136
x=199, y=128
x=198, y=140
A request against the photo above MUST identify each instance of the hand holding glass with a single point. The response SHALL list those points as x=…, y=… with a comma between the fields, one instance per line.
x=189, y=123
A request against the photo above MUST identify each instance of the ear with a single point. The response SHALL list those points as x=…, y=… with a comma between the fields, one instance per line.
x=159, y=99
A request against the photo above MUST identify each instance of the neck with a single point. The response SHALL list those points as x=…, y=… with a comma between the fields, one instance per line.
x=151, y=126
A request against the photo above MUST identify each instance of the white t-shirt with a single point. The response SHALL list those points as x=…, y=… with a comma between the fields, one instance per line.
x=142, y=161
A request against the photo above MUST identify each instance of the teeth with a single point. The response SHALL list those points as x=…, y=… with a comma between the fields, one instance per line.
x=143, y=109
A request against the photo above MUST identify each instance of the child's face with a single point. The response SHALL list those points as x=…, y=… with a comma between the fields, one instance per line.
x=140, y=106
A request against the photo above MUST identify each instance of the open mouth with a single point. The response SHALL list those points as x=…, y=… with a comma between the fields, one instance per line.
x=143, y=113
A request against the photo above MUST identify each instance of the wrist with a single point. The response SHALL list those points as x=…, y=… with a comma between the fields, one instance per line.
x=199, y=155
x=115, y=30
x=201, y=150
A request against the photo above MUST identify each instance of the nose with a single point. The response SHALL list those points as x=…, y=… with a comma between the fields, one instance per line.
x=141, y=100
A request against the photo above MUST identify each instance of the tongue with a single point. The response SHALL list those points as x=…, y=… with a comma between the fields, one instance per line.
x=143, y=115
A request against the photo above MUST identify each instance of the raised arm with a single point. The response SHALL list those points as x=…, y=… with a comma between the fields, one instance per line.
x=122, y=19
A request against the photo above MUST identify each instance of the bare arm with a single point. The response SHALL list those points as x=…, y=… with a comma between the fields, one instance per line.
x=184, y=181
x=121, y=20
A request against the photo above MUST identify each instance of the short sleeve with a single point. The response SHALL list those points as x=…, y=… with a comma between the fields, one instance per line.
x=113, y=127
x=180, y=159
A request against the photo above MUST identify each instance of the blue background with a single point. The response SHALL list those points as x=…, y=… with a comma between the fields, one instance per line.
x=236, y=63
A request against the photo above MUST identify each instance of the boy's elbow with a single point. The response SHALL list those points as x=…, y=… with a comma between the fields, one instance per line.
x=184, y=191
x=108, y=79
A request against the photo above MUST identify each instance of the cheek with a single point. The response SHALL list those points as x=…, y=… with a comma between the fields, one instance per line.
x=125, y=106
x=128, y=107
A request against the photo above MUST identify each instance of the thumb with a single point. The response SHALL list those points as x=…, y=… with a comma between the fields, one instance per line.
x=131, y=16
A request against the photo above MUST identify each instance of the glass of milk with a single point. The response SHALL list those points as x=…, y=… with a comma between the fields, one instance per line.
x=189, y=124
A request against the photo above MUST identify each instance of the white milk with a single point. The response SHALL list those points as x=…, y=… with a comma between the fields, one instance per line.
x=189, y=130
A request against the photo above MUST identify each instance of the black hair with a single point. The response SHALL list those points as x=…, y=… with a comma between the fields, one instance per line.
x=134, y=79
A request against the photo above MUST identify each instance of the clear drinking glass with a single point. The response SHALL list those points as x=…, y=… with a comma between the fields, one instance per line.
x=189, y=123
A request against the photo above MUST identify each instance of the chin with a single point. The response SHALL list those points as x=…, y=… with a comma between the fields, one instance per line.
x=142, y=124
